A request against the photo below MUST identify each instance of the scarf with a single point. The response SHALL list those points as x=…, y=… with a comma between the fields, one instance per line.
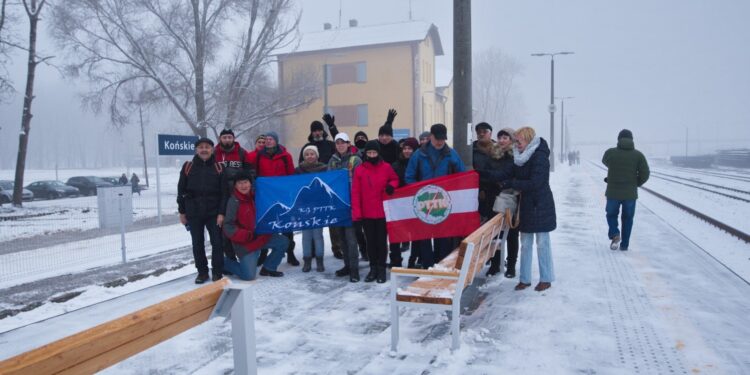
x=520, y=158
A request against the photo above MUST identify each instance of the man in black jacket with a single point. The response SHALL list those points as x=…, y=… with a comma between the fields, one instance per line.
x=319, y=138
x=389, y=148
x=200, y=203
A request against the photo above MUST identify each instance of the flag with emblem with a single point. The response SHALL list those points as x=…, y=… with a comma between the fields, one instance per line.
x=441, y=207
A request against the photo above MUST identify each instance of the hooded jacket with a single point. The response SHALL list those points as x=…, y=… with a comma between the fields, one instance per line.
x=239, y=224
x=389, y=151
x=368, y=187
x=627, y=169
x=278, y=164
x=428, y=162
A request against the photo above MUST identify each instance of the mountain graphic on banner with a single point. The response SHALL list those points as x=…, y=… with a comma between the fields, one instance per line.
x=311, y=200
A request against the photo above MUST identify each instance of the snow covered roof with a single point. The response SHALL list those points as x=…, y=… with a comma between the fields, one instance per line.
x=359, y=36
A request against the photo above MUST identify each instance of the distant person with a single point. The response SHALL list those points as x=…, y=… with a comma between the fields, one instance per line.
x=389, y=148
x=434, y=159
x=529, y=174
x=233, y=159
x=627, y=169
x=239, y=227
x=319, y=138
x=424, y=138
x=134, y=183
x=199, y=202
x=360, y=140
x=312, y=239
x=274, y=160
x=123, y=179
x=482, y=159
x=260, y=144
x=373, y=178
x=345, y=159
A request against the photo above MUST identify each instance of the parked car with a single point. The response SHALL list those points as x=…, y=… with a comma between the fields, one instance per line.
x=115, y=181
x=87, y=184
x=6, y=192
x=52, y=189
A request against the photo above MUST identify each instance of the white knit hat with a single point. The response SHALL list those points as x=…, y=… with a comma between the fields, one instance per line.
x=342, y=136
x=311, y=147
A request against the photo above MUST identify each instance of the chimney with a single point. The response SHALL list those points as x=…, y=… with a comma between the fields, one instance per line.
x=326, y=26
x=353, y=22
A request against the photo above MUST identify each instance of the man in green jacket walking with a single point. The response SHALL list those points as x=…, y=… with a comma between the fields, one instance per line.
x=627, y=169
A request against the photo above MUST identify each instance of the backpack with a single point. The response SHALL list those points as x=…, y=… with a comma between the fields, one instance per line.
x=189, y=165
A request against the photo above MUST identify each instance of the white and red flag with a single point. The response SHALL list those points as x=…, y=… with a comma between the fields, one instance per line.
x=441, y=207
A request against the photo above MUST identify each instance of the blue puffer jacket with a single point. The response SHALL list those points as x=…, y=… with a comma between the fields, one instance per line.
x=532, y=180
x=537, y=202
x=428, y=162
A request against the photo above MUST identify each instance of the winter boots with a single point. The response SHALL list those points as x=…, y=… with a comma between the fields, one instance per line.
x=510, y=269
x=343, y=271
x=542, y=286
x=319, y=264
x=381, y=275
x=372, y=275
x=265, y=272
x=522, y=286
x=291, y=259
x=202, y=278
x=307, y=264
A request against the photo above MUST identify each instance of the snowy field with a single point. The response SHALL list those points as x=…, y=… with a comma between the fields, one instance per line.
x=669, y=305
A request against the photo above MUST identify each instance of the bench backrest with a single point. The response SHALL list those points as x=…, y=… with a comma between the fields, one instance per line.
x=109, y=343
x=484, y=243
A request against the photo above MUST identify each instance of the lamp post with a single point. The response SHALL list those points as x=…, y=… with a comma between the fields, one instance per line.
x=562, y=124
x=552, y=105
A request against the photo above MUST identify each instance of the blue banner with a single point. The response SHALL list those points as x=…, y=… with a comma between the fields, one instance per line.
x=304, y=201
x=177, y=144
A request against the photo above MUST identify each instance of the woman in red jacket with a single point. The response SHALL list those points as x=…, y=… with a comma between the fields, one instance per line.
x=370, y=181
x=239, y=227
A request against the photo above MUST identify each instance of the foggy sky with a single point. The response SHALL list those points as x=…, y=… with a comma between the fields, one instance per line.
x=655, y=67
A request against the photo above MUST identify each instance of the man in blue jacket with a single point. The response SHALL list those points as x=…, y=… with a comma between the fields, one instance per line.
x=433, y=159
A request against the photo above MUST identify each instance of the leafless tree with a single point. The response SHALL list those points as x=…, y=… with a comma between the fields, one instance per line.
x=496, y=97
x=33, y=9
x=5, y=83
x=188, y=54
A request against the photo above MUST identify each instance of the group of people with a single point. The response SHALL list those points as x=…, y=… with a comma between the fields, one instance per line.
x=134, y=181
x=216, y=193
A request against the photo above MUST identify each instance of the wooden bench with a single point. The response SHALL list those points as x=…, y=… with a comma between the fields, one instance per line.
x=442, y=285
x=109, y=343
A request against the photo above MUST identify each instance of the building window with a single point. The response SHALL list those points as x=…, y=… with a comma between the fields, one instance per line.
x=346, y=73
x=349, y=115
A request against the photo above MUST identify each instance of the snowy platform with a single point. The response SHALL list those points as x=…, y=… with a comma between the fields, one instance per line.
x=669, y=305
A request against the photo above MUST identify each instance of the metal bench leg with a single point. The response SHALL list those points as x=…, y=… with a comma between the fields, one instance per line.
x=456, y=325
x=243, y=334
x=394, y=314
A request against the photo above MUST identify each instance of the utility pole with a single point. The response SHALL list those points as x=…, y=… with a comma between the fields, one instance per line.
x=462, y=78
x=143, y=145
x=562, y=125
x=551, y=107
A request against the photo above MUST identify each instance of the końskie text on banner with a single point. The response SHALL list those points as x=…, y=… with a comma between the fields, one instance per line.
x=305, y=201
x=441, y=207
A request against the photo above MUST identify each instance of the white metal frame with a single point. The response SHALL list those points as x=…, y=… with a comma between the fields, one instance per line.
x=236, y=303
x=455, y=306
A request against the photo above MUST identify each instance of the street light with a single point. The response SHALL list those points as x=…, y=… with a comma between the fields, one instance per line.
x=552, y=104
x=562, y=124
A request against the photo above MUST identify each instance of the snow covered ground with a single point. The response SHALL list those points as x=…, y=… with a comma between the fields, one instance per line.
x=672, y=304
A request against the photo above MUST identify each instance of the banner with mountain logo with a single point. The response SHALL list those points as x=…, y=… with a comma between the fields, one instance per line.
x=441, y=207
x=304, y=201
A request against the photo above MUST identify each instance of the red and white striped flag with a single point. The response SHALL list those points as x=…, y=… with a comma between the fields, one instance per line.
x=441, y=207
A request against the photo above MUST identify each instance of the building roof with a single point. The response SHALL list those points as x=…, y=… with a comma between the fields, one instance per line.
x=360, y=36
x=443, y=77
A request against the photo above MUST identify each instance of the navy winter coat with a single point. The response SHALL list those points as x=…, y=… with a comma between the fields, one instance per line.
x=532, y=180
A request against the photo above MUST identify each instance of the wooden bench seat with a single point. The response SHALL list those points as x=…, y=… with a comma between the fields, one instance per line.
x=442, y=285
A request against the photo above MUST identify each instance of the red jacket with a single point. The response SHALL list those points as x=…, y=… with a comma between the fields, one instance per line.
x=239, y=224
x=231, y=159
x=280, y=164
x=368, y=187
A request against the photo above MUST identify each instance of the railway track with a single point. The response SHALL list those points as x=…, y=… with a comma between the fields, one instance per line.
x=661, y=176
x=723, y=226
x=714, y=174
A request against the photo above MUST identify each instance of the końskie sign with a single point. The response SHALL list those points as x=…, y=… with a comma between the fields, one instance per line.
x=177, y=144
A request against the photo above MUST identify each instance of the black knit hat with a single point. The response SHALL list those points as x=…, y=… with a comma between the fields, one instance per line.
x=372, y=145
x=242, y=176
x=386, y=129
x=316, y=125
x=227, y=131
x=204, y=140
x=439, y=131
x=625, y=133
x=411, y=142
x=361, y=133
x=483, y=125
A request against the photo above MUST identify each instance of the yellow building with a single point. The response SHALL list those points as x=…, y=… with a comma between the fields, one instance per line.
x=364, y=71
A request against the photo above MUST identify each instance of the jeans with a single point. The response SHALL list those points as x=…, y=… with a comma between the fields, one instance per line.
x=247, y=267
x=544, y=254
x=628, y=211
x=198, y=225
x=349, y=248
x=312, y=242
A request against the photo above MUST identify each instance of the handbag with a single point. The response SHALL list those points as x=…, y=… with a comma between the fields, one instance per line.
x=508, y=203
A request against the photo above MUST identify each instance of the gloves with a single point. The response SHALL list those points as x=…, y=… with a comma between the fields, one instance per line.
x=389, y=189
x=605, y=180
x=328, y=119
x=391, y=115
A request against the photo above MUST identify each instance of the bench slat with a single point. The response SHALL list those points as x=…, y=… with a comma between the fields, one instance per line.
x=427, y=290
